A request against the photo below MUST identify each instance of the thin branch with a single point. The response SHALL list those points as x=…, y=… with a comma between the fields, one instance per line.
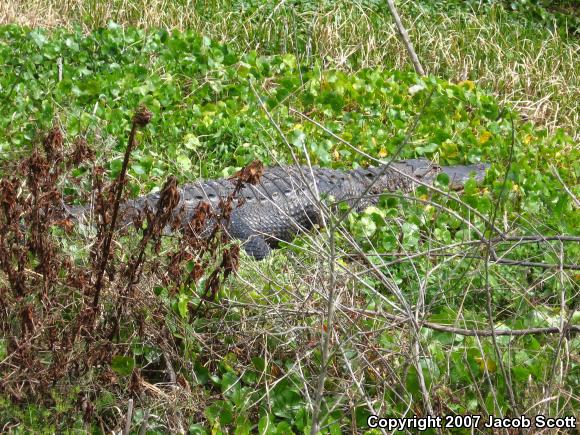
x=129, y=417
x=498, y=332
x=522, y=263
x=469, y=332
x=536, y=264
x=327, y=332
x=538, y=238
x=144, y=424
x=405, y=38
x=568, y=191
x=489, y=291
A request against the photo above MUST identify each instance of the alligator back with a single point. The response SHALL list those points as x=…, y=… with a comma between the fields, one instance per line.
x=286, y=199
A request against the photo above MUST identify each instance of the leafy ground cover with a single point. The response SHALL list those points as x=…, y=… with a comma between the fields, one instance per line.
x=524, y=51
x=252, y=360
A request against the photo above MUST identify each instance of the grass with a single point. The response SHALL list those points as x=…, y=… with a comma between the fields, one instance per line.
x=525, y=63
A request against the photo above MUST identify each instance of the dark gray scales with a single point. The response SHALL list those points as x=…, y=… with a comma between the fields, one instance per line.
x=286, y=199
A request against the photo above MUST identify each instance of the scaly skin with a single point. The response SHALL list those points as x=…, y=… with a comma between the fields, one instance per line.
x=285, y=202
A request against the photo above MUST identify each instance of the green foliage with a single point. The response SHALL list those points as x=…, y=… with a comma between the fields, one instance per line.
x=122, y=365
x=522, y=56
x=208, y=117
x=561, y=15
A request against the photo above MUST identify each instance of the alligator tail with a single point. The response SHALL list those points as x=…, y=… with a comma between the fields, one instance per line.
x=459, y=174
x=399, y=175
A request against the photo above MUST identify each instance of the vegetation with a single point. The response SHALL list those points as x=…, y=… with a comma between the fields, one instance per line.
x=523, y=51
x=396, y=292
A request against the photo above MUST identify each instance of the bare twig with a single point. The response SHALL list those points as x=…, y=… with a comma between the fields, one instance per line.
x=535, y=264
x=490, y=254
x=169, y=368
x=566, y=188
x=327, y=334
x=143, y=428
x=59, y=67
x=405, y=38
x=538, y=238
x=129, y=417
x=469, y=332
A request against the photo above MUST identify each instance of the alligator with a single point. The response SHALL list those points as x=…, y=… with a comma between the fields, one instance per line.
x=286, y=199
